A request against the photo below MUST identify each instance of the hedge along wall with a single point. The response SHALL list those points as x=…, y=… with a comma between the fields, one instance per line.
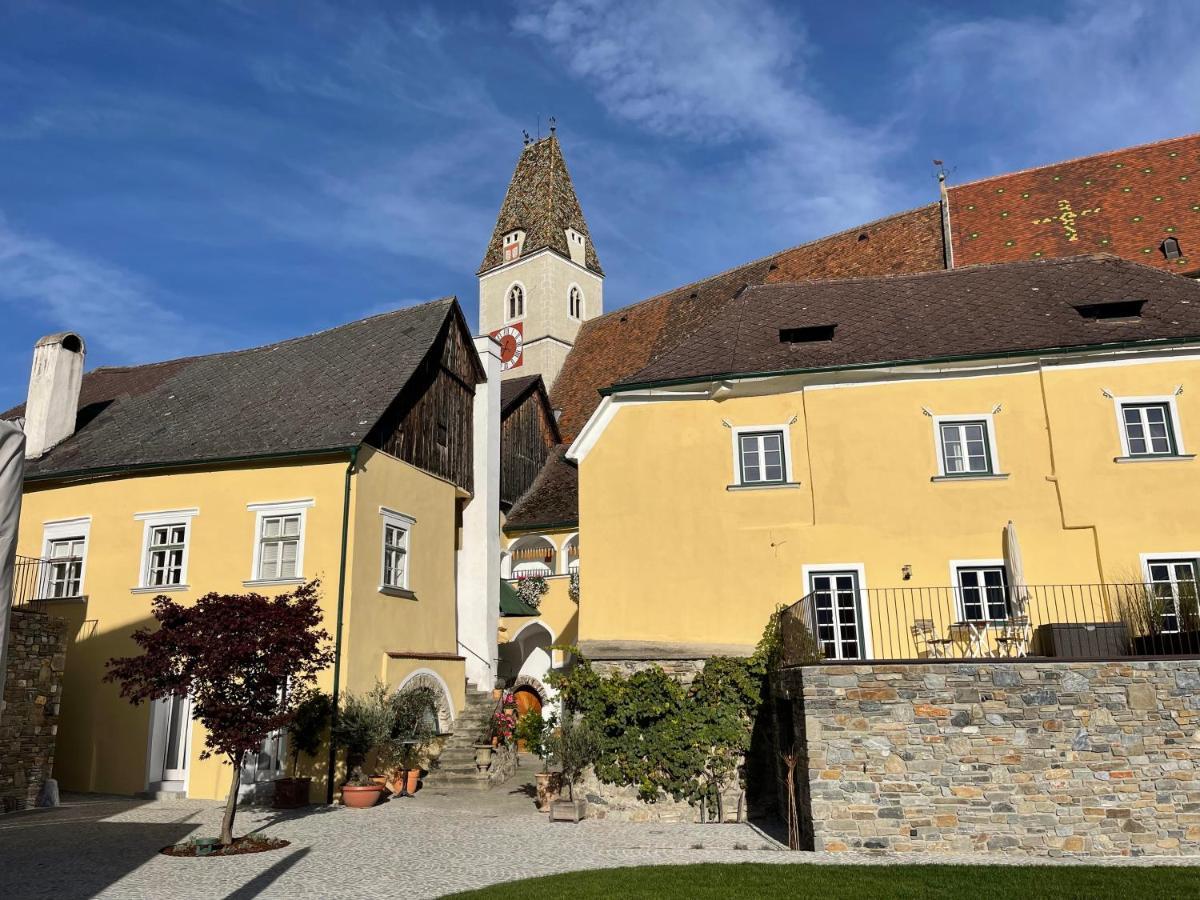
x=1033, y=758
x=37, y=655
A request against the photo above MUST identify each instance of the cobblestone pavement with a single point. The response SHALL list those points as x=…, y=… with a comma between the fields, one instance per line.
x=436, y=843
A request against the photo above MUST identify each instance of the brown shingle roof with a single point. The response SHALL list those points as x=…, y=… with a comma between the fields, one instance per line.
x=541, y=201
x=1124, y=202
x=614, y=346
x=512, y=390
x=552, y=499
x=310, y=394
x=975, y=311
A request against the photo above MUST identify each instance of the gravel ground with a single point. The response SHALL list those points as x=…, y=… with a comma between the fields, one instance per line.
x=436, y=843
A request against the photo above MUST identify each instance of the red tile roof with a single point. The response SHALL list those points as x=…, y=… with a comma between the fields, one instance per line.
x=1124, y=202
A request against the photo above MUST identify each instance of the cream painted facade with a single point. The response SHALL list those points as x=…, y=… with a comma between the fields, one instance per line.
x=104, y=743
x=678, y=553
x=549, y=328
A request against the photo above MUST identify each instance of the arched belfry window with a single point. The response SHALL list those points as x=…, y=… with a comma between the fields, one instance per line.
x=516, y=301
x=575, y=302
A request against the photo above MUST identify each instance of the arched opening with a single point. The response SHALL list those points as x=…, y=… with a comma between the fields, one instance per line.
x=571, y=552
x=575, y=302
x=532, y=556
x=516, y=302
x=443, y=709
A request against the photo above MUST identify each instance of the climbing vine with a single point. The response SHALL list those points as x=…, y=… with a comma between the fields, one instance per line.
x=666, y=738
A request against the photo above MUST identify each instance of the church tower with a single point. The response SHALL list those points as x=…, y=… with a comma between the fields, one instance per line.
x=540, y=279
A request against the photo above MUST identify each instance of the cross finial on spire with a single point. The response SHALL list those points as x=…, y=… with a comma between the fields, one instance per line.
x=553, y=124
x=525, y=137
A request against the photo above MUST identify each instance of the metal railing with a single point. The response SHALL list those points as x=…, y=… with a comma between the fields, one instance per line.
x=1066, y=621
x=28, y=579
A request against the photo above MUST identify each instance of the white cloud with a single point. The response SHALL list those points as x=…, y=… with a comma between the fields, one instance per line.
x=115, y=310
x=726, y=72
x=1096, y=76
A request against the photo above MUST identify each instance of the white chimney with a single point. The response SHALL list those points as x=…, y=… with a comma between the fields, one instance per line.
x=53, y=391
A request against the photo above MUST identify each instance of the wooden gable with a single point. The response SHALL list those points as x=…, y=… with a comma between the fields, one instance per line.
x=528, y=435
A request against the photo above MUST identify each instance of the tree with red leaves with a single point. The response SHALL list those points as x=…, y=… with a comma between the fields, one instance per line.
x=240, y=657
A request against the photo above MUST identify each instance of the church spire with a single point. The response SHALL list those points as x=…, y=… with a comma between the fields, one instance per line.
x=540, y=211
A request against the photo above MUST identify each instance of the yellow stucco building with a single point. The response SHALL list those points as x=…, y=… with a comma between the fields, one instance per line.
x=864, y=444
x=346, y=456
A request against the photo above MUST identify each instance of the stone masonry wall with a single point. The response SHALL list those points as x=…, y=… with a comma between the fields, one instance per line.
x=37, y=655
x=1037, y=758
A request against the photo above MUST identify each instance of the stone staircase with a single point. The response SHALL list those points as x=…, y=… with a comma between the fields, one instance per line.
x=456, y=764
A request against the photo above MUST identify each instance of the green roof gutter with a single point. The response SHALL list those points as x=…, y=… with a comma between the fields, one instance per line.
x=337, y=640
x=849, y=367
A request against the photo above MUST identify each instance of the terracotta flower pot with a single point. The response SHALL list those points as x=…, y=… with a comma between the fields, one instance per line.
x=413, y=777
x=361, y=796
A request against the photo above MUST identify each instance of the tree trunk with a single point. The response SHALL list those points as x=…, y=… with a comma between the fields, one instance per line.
x=231, y=801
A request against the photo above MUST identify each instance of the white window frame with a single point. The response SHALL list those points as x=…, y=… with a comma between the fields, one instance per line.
x=966, y=418
x=150, y=521
x=579, y=314
x=61, y=530
x=524, y=302
x=860, y=570
x=960, y=607
x=405, y=522
x=269, y=510
x=738, y=431
x=1147, y=559
x=1176, y=431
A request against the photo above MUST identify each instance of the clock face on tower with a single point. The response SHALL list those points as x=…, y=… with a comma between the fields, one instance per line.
x=512, y=340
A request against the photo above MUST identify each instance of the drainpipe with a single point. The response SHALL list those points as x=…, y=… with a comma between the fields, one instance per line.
x=337, y=640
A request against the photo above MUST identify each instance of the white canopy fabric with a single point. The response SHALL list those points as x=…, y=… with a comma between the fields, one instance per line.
x=1016, y=570
x=12, y=473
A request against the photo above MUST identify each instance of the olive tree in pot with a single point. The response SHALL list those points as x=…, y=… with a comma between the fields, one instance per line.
x=364, y=723
x=575, y=747
x=536, y=733
x=414, y=725
x=304, y=737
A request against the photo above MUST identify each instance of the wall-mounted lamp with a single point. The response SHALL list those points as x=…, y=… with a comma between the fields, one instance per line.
x=906, y=571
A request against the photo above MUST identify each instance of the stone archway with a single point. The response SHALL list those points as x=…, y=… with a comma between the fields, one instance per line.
x=443, y=707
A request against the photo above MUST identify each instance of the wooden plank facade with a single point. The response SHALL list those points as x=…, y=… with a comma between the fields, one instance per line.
x=528, y=434
x=430, y=423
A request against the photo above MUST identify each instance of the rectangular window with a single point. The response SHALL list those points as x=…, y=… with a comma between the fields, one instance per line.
x=1173, y=585
x=1149, y=430
x=279, y=547
x=983, y=593
x=164, y=555
x=965, y=448
x=64, y=574
x=394, y=568
x=761, y=457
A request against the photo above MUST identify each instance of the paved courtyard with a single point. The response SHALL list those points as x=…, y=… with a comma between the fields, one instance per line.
x=436, y=843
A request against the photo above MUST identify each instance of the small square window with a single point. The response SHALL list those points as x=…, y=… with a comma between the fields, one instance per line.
x=1149, y=430
x=965, y=448
x=761, y=457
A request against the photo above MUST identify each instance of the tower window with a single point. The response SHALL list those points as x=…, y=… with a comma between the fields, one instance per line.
x=516, y=302
x=1171, y=249
x=512, y=245
x=575, y=302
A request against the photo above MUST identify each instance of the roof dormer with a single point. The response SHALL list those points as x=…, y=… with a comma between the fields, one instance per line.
x=577, y=245
x=513, y=242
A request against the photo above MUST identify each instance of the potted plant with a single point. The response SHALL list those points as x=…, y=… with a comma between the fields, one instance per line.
x=304, y=737
x=504, y=723
x=363, y=724
x=575, y=747
x=360, y=791
x=414, y=725
x=536, y=733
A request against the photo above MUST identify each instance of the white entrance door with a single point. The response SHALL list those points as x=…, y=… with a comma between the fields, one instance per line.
x=172, y=721
x=837, y=613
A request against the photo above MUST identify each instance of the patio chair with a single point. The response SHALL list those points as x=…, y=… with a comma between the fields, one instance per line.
x=927, y=638
x=1013, y=640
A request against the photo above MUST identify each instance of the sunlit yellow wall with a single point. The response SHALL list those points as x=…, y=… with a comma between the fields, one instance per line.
x=674, y=556
x=103, y=741
x=558, y=612
x=425, y=622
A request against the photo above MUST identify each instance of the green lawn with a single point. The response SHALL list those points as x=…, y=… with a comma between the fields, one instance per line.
x=754, y=880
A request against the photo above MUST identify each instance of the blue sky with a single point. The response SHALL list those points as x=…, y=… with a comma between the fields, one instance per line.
x=180, y=178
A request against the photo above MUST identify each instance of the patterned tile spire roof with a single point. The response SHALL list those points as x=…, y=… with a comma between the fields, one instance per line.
x=541, y=202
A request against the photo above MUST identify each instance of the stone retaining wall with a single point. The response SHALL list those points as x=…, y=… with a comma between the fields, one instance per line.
x=37, y=655
x=1041, y=758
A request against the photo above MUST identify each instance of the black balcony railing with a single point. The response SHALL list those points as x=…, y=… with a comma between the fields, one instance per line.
x=1067, y=621
x=29, y=576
